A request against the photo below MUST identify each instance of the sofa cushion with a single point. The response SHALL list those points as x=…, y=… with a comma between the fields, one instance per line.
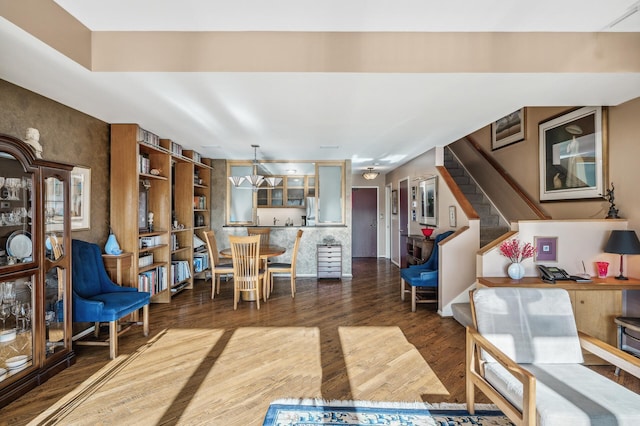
x=570, y=394
x=531, y=326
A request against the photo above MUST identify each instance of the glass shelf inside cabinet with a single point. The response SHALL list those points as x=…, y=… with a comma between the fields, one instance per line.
x=16, y=314
x=54, y=205
x=16, y=243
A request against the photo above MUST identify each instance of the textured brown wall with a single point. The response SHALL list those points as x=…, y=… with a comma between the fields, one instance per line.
x=68, y=136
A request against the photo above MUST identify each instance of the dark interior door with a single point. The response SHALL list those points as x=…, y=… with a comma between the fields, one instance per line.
x=364, y=226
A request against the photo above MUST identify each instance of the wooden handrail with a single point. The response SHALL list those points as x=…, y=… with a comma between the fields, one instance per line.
x=512, y=183
x=465, y=205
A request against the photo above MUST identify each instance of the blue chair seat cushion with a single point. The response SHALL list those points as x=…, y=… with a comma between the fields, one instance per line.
x=418, y=277
x=110, y=306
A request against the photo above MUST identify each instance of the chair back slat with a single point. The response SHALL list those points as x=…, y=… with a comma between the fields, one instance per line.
x=245, y=253
x=264, y=234
x=212, y=247
x=294, y=255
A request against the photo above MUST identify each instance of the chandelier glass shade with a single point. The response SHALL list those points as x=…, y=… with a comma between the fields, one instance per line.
x=254, y=179
x=370, y=174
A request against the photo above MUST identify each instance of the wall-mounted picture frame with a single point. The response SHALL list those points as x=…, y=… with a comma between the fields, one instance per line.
x=573, y=149
x=546, y=249
x=429, y=201
x=394, y=201
x=80, y=198
x=452, y=216
x=509, y=129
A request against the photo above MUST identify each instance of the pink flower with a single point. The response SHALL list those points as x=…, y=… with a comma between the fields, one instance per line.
x=516, y=253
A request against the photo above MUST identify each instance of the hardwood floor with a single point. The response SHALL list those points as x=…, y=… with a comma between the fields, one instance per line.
x=336, y=309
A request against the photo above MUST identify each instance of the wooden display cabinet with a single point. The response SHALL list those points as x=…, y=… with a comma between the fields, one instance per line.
x=35, y=269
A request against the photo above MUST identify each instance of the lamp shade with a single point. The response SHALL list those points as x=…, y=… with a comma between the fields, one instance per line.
x=370, y=174
x=623, y=242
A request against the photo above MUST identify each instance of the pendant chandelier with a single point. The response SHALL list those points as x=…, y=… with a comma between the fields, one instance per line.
x=370, y=174
x=254, y=179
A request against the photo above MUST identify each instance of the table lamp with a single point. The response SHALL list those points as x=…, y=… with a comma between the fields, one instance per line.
x=622, y=242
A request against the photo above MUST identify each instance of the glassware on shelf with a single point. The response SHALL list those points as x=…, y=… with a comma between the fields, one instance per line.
x=5, y=311
x=9, y=292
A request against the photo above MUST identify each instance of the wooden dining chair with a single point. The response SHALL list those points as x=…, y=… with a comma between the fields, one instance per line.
x=247, y=274
x=217, y=268
x=263, y=232
x=285, y=268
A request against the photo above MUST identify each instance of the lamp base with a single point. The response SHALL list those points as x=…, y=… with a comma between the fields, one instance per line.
x=621, y=277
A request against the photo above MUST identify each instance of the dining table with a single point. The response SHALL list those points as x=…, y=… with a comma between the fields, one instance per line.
x=266, y=251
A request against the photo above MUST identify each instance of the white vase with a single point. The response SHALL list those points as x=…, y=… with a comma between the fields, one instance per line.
x=515, y=271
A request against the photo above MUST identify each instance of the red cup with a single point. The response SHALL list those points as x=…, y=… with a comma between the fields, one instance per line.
x=603, y=268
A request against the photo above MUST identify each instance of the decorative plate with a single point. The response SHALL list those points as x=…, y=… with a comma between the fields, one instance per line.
x=19, y=244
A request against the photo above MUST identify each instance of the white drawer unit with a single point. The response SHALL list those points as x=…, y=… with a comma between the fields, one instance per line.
x=329, y=261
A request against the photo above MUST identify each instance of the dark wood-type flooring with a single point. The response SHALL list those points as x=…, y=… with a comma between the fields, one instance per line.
x=370, y=298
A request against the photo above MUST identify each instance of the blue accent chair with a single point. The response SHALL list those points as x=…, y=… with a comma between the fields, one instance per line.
x=423, y=279
x=97, y=299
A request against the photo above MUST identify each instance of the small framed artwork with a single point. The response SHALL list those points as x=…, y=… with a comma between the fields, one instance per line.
x=546, y=249
x=80, y=198
x=573, y=151
x=394, y=201
x=509, y=129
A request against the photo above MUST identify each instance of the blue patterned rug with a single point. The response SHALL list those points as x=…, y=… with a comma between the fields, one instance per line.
x=318, y=412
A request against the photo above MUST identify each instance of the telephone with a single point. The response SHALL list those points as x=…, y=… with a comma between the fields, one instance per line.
x=551, y=273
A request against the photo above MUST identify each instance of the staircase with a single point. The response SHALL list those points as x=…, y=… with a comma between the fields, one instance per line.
x=492, y=225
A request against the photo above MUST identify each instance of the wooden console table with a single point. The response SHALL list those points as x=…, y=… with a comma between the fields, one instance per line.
x=595, y=304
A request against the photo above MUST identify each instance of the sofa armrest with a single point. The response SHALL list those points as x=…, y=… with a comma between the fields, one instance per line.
x=611, y=354
x=475, y=376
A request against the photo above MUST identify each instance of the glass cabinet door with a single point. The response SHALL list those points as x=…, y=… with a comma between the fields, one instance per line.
x=56, y=218
x=16, y=336
x=16, y=225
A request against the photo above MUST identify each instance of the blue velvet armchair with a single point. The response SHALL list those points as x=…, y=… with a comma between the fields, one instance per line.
x=423, y=279
x=97, y=299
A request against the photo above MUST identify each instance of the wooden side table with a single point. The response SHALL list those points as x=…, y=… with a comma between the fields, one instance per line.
x=119, y=268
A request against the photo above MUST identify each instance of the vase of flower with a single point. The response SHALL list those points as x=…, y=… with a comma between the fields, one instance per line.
x=515, y=271
x=516, y=253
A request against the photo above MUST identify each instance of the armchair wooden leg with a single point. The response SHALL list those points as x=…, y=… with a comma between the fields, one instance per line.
x=413, y=298
x=402, y=289
x=293, y=286
x=214, y=279
x=470, y=387
x=145, y=320
x=96, y=329
x=113, y=339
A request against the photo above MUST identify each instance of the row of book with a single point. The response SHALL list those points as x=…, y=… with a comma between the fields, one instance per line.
x=200, y=261
x=145, y=260
x=152, y=241
x=144, y=164
x=153, y=281
x=175, y=148
x=148, y=137
x=180, y=271
x=200, y=202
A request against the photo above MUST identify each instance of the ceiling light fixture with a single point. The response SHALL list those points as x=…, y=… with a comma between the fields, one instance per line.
x=370, y=174
x=254, y=179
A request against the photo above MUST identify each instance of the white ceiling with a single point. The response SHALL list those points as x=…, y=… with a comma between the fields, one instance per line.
x=374, y=119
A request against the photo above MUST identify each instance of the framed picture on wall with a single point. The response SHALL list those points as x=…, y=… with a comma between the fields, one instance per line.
x=80, y=198
x=394, y=201
x=572, y=155
x=509, y=129
x=429, y=201
x=546, y=249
